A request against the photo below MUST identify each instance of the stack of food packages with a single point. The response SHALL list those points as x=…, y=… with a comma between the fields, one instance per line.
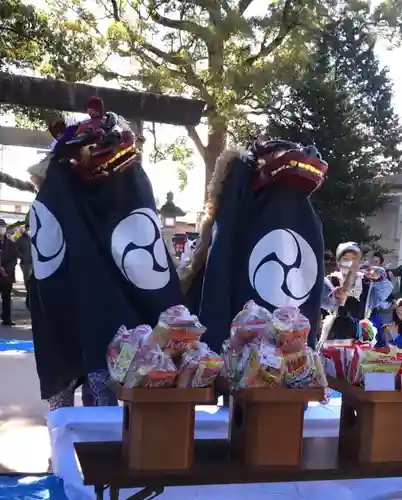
x=352, y=360
x=170, y=355
x=269, y=350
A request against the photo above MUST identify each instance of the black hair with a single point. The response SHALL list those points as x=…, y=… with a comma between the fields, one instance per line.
x=380, y=256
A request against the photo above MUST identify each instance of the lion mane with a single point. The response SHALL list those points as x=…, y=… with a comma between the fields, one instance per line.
x=223, y=166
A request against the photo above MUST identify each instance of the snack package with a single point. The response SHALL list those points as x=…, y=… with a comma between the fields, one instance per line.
x=122, y=350
x=261, y=365
x=177, y=331
x=380, y=368
x=199, y=367
x=337, y=356
x=251, y=324
x=151, y=368
x=299, y=368
x=291, y=328
x=364, y=355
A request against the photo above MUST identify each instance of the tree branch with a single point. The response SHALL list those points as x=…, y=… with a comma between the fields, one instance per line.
x=287, y=25
x=189, y=74
x=157, y=154
x=243, y=6
x=193, y=134
x=178, y=24
x=115, y=8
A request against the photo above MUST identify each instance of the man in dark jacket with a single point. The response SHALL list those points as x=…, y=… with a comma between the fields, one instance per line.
x=23, y=245
x=8, y=261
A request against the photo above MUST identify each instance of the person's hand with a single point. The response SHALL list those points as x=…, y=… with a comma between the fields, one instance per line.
x=340, y=294
x=3, y=271
x=392, y=328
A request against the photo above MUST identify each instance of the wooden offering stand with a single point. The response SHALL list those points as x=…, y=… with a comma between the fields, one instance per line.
x=369, y=423
x=158, y=426
x=266, y=425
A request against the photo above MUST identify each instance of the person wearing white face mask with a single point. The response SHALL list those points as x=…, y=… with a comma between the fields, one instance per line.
x=348, y=306
x=8, y=262
x=352, y=294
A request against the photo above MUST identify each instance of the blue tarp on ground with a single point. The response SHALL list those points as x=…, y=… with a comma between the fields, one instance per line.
x=31, y=488
x=16, y=345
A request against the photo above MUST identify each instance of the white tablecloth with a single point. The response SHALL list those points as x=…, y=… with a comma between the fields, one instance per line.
x=69, y=425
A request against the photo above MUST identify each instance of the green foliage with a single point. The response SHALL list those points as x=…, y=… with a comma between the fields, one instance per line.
x=224, y=52
x=51, y=44
x=342, y=103
x=227, y=52
x=24, y=34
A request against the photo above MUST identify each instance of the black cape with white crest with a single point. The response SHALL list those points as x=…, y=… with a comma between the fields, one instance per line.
x=266, y=246
x=99, y=261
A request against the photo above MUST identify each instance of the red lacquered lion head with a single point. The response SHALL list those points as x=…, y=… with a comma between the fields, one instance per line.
x=287, y=162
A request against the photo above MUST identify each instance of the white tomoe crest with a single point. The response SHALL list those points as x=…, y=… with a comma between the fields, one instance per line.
x=283, y=268
x=47, y=241
x=139, y=251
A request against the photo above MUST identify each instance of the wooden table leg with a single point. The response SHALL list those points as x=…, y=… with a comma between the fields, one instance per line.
x=114, y=492
x=99, y=489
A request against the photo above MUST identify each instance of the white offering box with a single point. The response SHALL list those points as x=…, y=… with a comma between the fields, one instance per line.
x=379, y=381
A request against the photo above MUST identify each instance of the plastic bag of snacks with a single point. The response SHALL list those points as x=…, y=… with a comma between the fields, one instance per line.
x=299, y=368
x=259, y=365
x=177, y=330
x=291, y=329
x=199, y=367
x=251, y=324
x=304, y=369
x=151, y=367
x=123, y=348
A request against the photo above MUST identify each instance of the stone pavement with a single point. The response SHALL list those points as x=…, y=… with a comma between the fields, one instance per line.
x=24, y=442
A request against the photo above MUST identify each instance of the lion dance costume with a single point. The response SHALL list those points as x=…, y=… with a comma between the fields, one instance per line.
x=99, y=260
x=261, y=239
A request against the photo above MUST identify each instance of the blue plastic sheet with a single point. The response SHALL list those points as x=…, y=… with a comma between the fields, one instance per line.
x=16, y=345
x=31, y=488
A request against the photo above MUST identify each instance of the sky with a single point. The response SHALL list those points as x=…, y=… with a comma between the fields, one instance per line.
x=163, y=175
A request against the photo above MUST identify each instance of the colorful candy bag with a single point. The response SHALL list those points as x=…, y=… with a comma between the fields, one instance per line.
x=258, y=365
x=199, y=367
x=151, y=367
x=304, y=369
x=291, y=329
x=123, y=348
x=251, y=324
x=168, y=356
x=177, y=330
x=299, y=368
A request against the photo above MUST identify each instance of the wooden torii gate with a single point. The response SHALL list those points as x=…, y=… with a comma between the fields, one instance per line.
x=135, y=107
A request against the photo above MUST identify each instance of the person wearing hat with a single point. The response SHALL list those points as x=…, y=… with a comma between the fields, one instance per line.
x=8, y=262
x=347, y=305
x=350, y=304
